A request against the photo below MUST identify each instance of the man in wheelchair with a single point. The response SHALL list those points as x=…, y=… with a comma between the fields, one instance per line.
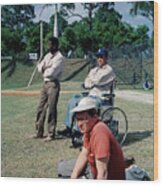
x=99, y=81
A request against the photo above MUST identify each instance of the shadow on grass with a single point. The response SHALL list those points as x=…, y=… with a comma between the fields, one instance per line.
x=133, y=137
x=76, y=72
x=60, y=137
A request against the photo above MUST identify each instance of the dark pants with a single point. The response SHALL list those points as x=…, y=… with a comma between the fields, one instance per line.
x=48, y=100
x=65, y=168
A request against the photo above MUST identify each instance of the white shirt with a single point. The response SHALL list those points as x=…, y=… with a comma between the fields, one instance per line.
x=54, y=64
x=101, y=78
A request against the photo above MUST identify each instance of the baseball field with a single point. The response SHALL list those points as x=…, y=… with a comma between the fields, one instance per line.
x=26, y=157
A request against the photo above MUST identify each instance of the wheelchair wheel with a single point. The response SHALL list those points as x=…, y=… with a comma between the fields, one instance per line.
x=116, y=120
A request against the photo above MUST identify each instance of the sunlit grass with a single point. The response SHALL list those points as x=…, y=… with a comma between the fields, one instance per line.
x=24, y=157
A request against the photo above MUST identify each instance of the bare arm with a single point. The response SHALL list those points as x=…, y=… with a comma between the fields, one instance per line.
x=80, y=164
x=102, y=168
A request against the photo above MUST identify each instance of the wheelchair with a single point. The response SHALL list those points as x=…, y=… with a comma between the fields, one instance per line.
x=114, y=117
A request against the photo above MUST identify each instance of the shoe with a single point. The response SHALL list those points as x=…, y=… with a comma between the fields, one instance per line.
x=35, y=136
x=65, y=132
x=48, y=139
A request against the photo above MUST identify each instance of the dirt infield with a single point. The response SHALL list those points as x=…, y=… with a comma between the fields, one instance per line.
x=132, y=95
x=129, y=95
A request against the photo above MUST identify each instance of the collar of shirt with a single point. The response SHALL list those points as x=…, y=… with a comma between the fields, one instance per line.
x=53, y=55
x=103, y=66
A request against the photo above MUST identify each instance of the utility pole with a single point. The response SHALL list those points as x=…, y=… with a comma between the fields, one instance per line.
x=55, y=32
x=41, y=38
x=41, y=50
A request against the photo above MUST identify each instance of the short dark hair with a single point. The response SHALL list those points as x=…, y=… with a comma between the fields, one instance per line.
x=55, y=41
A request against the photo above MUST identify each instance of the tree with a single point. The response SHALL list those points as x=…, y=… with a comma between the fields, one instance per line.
x=68, y=40
x=145, y=8
x=14, y=21
x=84, y=29
x=68, y=11
x=32, y=35
x=14, y=16
x=101, y=26
x=107, y=23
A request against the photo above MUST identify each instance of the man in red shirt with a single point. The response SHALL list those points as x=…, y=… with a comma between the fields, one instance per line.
x=100, y=149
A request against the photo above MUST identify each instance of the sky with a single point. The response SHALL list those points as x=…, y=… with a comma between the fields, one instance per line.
x=122, y=7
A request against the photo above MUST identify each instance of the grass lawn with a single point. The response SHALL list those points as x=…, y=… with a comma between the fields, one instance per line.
x=22, y=74
x=24, y=157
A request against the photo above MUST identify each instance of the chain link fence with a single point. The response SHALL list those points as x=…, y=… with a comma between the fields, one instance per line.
x=133, y=66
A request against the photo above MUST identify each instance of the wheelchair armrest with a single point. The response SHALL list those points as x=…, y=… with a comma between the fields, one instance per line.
x=84, y=93
x=85, y=88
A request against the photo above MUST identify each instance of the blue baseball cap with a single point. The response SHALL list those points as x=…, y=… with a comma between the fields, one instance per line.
x=102, y=52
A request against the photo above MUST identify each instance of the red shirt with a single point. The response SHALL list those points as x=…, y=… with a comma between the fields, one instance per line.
x=101, y=143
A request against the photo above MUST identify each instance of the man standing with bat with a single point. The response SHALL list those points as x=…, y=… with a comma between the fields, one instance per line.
x=51, y=68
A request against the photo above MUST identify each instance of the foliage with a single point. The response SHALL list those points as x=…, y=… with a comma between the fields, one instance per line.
x=106, y=29
x=100, y=26
x=11, y=41
x=68, y=40
x=145, y=9
x=32, y=33
x=15, y=19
